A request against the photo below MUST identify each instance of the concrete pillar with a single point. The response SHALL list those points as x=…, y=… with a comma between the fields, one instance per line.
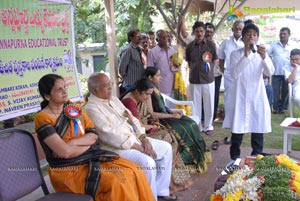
x=111, y=44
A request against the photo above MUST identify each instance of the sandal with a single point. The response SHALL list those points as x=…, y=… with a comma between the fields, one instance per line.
x=215, y=145
x=174, y=188
x=227, y=140
x=177, y=188
x=167, y=198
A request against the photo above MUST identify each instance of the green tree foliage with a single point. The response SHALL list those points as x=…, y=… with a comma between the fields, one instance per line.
x=90, y=25
x=89, y=21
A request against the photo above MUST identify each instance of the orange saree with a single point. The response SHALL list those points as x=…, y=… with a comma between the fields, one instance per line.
x=120, y=179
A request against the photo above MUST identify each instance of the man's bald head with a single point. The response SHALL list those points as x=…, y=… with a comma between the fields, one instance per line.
x=100, y=85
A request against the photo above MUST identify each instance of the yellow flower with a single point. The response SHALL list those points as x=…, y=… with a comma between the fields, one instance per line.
x=234, y=196
x=177, y=58
x=286, y=161
x=179, y=87
x=259, y=157
x=296, y=176
x=296, y=186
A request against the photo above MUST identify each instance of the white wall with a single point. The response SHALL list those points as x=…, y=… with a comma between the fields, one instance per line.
x=88, y=69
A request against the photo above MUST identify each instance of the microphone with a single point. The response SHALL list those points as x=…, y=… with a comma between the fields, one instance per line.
x=253, y=47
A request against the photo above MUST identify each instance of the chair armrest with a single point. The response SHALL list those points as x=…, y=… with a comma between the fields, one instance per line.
x=177, y=102
x=290, y=89
x=182, y=111
x=290, y=99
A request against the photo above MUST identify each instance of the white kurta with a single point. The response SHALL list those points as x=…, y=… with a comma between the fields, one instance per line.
x=117, y=135
x=249, y=109
x=224, y=52
x=288, y=69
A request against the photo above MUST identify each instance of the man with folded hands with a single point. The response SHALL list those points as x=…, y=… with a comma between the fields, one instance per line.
x=121, y=132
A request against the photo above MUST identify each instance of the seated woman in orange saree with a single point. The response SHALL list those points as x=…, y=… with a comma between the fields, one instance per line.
x=76, y=162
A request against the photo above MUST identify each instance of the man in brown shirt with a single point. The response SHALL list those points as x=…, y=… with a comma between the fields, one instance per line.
x=201, y=57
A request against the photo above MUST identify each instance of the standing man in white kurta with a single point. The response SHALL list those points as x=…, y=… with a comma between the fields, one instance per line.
x=120, y=132
x=249, y=109
x=227, y=46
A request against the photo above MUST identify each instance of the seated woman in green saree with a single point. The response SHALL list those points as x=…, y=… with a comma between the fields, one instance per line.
x=77, y=164
x=192, y=145
x=135, y=101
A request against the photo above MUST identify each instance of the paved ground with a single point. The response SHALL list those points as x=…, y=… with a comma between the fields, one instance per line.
x=203, y=184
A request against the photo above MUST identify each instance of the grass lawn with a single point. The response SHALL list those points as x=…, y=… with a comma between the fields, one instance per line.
x=272, y=140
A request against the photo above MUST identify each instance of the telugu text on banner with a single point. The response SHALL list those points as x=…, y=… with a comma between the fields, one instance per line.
x=36, y=38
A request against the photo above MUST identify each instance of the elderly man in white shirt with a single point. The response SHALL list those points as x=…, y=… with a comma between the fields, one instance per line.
x=121, y=132
x=292, y=73
x=233, y=43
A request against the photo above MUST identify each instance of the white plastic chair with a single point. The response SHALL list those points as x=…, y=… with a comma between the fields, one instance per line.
x=177, y=102
x=290, y=88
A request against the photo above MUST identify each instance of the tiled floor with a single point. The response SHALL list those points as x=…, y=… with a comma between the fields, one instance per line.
x=203, y=184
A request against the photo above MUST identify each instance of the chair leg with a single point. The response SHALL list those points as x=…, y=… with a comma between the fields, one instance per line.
x=291, y=109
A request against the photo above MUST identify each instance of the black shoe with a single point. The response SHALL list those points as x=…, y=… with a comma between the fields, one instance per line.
x=278, y=111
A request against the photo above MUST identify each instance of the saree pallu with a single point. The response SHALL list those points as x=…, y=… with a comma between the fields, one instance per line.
x=120, y=179
x=192, y=146
x=180, y=175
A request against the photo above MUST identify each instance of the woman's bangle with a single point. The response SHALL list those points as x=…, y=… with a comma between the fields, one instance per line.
x=142, y=137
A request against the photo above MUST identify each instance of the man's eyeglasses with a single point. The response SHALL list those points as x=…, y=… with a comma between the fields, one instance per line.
x=107, y=85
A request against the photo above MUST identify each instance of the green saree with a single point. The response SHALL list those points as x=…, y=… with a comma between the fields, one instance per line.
x=192, y=146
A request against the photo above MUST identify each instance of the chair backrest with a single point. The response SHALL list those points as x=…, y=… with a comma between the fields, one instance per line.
x=20, y=172
x=187, y=102
x=291, y=108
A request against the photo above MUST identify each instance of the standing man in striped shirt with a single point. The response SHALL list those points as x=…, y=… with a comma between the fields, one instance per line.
x=131, y=67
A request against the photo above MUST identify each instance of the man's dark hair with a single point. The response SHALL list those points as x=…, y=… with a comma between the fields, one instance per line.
x=150, y=33
x=295, y=51
x=209, y=25
x=286, y=29
x=198, y=24
x=249, y=21
x=131, y=34
x=248, y=27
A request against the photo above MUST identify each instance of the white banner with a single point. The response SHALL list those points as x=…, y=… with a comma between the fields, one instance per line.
x=36, y=38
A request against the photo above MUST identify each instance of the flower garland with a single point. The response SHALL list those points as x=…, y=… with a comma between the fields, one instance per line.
x=179, y=85
x=270, y=178
x=238, y=187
